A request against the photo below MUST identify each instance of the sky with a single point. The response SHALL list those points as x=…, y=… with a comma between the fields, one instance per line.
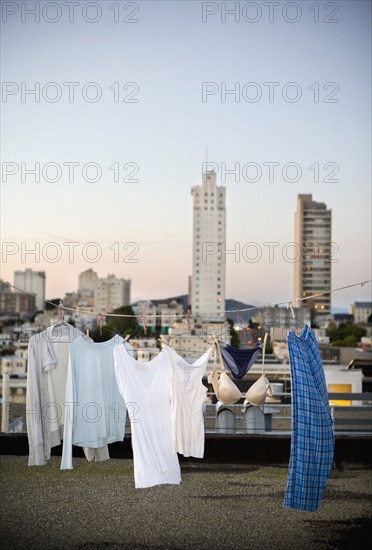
x=157, y=109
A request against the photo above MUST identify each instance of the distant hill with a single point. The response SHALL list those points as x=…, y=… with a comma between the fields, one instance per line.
x=339, y=310
x=230, y=304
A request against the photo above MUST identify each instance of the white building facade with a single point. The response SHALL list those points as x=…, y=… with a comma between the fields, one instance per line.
x=361, y=311
x=209, y=242
x=111, y=293
x=33, y=282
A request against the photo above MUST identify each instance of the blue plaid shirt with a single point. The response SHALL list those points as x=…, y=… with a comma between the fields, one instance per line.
x=312, y=441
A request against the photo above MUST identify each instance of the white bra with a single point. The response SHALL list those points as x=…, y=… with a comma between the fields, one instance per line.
x=256, y=395
x=225, y=389
x=227, y=392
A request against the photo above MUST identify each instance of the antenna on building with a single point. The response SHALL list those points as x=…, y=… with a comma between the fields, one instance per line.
x=205, y=166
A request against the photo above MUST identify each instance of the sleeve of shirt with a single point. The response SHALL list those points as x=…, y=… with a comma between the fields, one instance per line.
x=33, y=410
x=66, y=463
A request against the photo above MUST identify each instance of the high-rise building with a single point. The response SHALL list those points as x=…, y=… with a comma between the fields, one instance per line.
x=13, y=304
x=87, y=281
x=209, y=241
x=111, y=293
x=312, y=268
x=33, y=282
x=85, y=294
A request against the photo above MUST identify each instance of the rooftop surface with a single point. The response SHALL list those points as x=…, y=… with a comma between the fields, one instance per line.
x=216, y=506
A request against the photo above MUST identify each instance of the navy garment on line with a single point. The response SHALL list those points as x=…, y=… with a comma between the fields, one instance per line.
x=312, y=441
x=237, y=360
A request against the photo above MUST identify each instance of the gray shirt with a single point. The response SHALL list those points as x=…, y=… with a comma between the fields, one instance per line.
x=46, y=388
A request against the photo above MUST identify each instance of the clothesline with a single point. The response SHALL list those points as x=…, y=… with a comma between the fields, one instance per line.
x=288, y=303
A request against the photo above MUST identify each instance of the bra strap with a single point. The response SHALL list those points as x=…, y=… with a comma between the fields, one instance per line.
x=215, y=359
x=213, y=376
x=219, y=353
x=269, y=389
x=263, y=353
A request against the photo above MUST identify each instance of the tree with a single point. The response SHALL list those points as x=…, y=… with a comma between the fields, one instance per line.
x=234, y=335
x=350, y=341
x=269, y=347
x=116, y=325
x=53, y=301
x=331, y=331
x=345, y=334
x=123, y=325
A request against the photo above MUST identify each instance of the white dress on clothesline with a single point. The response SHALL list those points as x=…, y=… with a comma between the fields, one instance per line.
x=187, y=397
x=146, y=389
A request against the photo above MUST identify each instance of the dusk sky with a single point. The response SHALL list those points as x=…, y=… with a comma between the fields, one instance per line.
x=167, y=56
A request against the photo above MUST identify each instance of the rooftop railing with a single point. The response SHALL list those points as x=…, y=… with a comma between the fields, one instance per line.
x=351, y=413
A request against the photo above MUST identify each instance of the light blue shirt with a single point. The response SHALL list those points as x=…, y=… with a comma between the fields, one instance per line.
x=95, y=411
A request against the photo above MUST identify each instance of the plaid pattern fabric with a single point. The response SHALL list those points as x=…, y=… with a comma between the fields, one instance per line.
x=312, y=441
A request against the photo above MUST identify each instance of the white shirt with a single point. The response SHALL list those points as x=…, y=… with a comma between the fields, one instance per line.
x=188, y=394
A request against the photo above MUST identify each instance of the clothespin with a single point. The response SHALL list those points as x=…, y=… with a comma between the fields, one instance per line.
x=100, y=322
x=87, y=332
x=289, y=306
x=61, y=311
x=238, y=319
x=127, y=338
x=142, y=321
x=163, y=340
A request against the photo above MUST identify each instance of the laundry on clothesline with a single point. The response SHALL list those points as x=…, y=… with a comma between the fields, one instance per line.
x=238, y=361
x=99, y=381
x=225, y=389
x=312, y=437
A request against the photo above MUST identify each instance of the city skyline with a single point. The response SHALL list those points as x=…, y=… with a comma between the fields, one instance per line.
x=238, y=251
x=185, y=104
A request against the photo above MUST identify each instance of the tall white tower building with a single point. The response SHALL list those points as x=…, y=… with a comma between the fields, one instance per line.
x=208, y=266
x=33, y=282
